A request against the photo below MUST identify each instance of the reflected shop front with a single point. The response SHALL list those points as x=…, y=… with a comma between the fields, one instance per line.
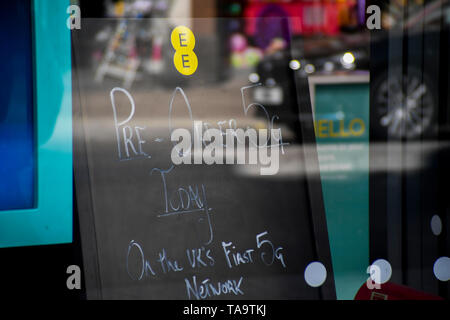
x=225, y=150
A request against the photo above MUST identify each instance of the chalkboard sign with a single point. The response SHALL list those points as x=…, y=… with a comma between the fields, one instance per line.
x=214, y=215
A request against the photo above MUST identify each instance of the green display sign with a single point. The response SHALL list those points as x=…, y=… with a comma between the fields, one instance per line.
x=342, y=134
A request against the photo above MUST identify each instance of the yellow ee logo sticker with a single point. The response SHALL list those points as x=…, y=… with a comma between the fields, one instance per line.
x=185, y=59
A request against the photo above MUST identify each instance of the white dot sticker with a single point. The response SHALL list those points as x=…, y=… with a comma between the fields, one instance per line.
x=315, y=274
x=436, y=225
x=441, y=268
x=383, y=271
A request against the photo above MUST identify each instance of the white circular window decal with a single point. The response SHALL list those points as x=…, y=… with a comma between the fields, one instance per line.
x=441, y=268
x=436, y=225
x=315, y=274
x=383, y=271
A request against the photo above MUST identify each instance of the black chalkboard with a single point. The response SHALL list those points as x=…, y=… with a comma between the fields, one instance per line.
x=152, y=229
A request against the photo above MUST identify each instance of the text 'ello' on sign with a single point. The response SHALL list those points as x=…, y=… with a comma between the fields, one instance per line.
x=185, y=59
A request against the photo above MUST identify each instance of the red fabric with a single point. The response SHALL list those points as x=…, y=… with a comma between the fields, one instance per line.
x=391, y=291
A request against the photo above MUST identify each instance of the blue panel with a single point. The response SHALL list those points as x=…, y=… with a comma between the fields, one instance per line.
x=50, y=219
x=17, y=159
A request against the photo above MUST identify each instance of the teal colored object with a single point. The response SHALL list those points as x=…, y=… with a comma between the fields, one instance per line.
x=50, y=222
x=342, y=135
